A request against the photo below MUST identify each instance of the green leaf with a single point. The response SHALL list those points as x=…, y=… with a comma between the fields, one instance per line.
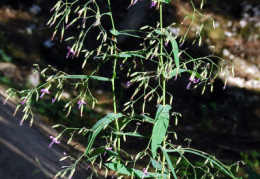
x=175, y=51
x=130, y=134
x=169, y=162
x=221, y=166
x=124, y=55
x=99, y=126
x=165, y=1
x=137, y=55
x=120, y=168
x=156, y=164
x=116, y=33
x=85, y=77
x=145, y=118
x=160, y=127
x=158, y=32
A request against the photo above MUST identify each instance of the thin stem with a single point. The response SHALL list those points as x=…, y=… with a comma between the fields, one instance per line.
x=113, y=85
x=164, y=81
x=113, y=82
x=111, y=16
x=161, y=51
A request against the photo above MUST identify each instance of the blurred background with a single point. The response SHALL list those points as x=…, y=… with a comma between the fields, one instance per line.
x=225, y=123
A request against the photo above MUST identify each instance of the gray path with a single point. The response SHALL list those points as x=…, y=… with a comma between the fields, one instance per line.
x=21, y=147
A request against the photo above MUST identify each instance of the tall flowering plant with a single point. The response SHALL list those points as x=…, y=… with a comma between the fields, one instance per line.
x=160, y=46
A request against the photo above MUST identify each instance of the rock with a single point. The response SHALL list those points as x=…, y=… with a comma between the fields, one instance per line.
x=35, y=9
x=10, y=71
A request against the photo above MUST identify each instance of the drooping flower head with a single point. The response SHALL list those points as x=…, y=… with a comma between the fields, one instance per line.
x=23, y=101
x=54, y=140
x=133, y=3
x=45, y=90
x=81, y=102
x=145, y=173
x=71, y=51
x=53, y=100
x=192, y=80
x=153, y=4
x=128, y=84
x=107, y=148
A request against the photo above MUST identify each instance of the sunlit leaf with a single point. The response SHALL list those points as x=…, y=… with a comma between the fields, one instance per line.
x=86, y=77
x=116, y=33
x=160, y=127
x=99, y=126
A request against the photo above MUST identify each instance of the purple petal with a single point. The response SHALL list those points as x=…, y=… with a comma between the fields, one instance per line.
x=188, y=87
x=153, y=4
x=23, y=101
x=42, y=94
x=53, y=100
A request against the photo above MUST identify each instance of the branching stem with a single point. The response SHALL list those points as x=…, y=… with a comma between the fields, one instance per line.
x=164, y=80
x=113, y=82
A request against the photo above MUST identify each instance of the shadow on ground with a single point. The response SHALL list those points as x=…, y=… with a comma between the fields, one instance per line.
x=24, y=150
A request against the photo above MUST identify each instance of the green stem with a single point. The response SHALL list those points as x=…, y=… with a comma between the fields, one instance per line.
x=164, y=81
x=161, y=51
x=113, y=85
x=111, y=16
x=113, y=82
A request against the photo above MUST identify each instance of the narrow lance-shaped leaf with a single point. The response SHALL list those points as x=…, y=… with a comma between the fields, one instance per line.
x=85, y=77
x=175, y=51
x=116, y=33
x=99, y=126
x=169, y=162
x=160, y=127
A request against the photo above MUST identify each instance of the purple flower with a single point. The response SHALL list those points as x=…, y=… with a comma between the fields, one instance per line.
x=88, y=167
x=54, y=140
x=71, y=51
x=67, y=26
x=52, y=24
x=195, y=80
x=80, y=102
x=53, y=100
x=128, y=84
x=188, y=86
x=23, y=101
x=107, y=148
x=45, y=90
x=176, y=76
x=21, y=122
x=64, y=153
x=192, y=80
x=135, y=1
x=145, y=173
x=153, y=4
x=52, y=9
x=224, y=87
